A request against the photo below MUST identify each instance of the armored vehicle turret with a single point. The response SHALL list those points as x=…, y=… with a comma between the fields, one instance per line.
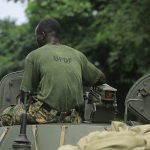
x=100, y=110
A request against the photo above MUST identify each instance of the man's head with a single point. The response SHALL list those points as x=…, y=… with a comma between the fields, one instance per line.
x=46, y=31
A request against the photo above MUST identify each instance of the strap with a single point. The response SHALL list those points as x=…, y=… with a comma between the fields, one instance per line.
x=62, y=135
x=34, y=130
x=3, y=134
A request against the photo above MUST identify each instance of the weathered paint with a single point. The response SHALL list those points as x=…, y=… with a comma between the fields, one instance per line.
x=48, y=135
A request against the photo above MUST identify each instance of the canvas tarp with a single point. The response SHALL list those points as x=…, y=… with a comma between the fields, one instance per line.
x=118, y=137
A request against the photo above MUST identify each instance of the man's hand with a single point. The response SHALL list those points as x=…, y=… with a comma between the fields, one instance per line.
x=101, y=80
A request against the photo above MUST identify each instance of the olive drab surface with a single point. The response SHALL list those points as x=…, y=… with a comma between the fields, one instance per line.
x=138, y=99
x=9, y=89
x=52, y=136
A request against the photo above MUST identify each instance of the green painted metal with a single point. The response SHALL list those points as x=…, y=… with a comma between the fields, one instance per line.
x=138, y=99
x=48, y=135
x=9, y=89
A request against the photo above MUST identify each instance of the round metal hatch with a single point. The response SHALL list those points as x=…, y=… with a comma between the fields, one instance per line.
x=9, y=89
x=138, y=99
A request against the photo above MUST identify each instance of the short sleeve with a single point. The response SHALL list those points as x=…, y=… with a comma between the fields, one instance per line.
x=30, y=76
x=90, y=73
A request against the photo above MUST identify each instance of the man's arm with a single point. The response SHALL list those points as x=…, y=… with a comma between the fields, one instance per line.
x=30, y=79
x=31, y=75
x=91, y=75
x=101, y=80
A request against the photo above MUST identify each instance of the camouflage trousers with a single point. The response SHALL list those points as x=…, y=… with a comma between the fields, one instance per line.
x=38, y=114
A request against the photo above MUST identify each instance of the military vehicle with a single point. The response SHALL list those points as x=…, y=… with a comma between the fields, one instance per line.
x=100, y=109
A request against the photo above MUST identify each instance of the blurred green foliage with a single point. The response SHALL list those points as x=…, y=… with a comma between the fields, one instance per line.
x=16, y=42
x=115, y=35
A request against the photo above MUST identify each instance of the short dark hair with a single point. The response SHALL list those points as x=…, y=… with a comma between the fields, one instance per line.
x=49, y=26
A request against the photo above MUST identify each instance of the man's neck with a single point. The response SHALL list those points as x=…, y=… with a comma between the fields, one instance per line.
x=53, y=40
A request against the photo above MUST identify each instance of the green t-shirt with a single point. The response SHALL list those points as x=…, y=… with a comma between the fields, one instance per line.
x=57, y=74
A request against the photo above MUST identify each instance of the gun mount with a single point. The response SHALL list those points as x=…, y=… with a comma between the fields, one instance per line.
x=101, y=100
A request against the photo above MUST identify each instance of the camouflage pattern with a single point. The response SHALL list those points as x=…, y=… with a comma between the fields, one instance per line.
x=18, y=110
x=11, y=115
x=41, y=115
x=38, y=114
x=6, y=116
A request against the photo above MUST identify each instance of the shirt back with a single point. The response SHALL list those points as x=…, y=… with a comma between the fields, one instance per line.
x=56, y=74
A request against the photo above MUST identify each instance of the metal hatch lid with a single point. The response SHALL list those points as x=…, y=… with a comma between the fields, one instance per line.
x=9, y=89
x=138, y=99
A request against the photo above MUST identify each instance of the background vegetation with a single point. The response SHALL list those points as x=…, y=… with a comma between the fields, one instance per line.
x=113, y=34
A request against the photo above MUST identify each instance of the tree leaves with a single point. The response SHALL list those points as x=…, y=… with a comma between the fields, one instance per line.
x=114, y=34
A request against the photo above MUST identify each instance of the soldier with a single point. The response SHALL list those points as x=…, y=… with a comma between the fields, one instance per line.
x=54, y=75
